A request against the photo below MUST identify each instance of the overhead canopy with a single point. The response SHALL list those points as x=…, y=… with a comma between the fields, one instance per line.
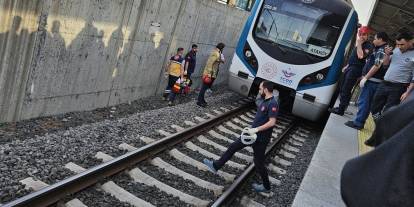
x=393, y=16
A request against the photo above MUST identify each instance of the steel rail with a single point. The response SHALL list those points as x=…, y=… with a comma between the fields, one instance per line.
x=228, y=195
x=76, y=183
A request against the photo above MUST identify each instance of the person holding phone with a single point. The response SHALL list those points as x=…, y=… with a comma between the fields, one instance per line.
x=352, y=71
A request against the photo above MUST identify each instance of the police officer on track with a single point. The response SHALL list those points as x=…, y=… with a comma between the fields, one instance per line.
x=260, y=133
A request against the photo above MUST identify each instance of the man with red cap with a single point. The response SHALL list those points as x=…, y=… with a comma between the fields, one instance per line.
x=353, y=71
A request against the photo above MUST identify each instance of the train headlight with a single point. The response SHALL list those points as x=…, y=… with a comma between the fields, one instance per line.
x=319, y=76
x=248, y=53
x=316, y=77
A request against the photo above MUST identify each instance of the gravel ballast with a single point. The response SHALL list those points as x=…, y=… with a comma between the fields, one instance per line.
x=43, y=153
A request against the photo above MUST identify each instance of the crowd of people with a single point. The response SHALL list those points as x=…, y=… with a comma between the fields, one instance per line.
x=180, y=68
x=385, y=75
x=382, y=177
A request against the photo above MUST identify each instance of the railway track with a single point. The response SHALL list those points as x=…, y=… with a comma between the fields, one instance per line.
x=172, y=166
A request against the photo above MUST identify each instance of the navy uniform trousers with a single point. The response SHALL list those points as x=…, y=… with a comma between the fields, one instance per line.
x=259, y=149
x=353, y=72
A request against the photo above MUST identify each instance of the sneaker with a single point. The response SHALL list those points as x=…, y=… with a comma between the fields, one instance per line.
x=259, y=188
x=210, y=166
x=336, y=110
x=353, y=125
x=170, y=103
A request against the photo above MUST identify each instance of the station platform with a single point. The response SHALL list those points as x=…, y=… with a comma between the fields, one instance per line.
x=338, y=143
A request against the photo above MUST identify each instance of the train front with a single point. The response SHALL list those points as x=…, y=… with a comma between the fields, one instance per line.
x=298, y=44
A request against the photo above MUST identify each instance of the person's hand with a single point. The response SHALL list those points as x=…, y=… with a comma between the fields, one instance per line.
x=404, y=96
x=362, y=82
x=359, y=41
x=344, y=69
x=388, y=50
x=222, y=57
x=252, y=131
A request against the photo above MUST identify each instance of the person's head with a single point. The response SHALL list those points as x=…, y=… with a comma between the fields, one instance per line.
x=266, y=88
x=180, y=51
x=404, y=41
x=363, y=32
x=380, y=39
x=221, y=46
x=194, y=47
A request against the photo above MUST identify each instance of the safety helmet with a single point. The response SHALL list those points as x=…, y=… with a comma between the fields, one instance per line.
x=207, y=80
x=247, y=138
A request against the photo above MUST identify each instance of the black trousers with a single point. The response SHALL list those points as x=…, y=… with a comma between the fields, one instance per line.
x=203, y=89
x=259, y=149
x=387, y=95
x=350, y=78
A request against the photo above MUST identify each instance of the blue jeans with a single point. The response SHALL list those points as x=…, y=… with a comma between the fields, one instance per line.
x=364, y=102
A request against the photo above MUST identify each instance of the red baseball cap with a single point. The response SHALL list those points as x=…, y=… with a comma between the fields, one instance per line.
x=364, y=30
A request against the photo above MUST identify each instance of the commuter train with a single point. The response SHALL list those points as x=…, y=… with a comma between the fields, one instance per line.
x=301, y=46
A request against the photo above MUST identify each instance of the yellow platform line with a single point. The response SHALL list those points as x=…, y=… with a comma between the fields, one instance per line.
x=365, y=134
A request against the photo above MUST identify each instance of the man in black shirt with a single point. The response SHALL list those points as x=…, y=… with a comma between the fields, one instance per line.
x=352, y=72
x=190, y=61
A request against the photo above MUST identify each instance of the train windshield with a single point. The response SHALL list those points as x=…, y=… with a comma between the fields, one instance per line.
x=298, y=26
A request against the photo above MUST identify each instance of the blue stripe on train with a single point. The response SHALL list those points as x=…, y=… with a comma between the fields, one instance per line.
x=243, y=38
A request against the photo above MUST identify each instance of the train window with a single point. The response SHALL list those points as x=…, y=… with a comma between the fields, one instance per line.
x=297, y=26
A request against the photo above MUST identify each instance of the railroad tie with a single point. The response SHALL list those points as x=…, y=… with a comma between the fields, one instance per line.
x=208, y=154
x=223, y=149
x=276, y=169
x=233, y=126
x=248, y=202
x=123, y=195
x=189, y=123
x=127, y=147
x=290, y=148
x=74, y=168
x=221, y=137
x=281, y=161
x=245, y=118
x=238, y=121
x=227, y=131
x=217, y=112
x=139, y=176
x=164, y=133
x=224, y=109
x=75, y=203
x=177, y=128
x=211, y=116
x=146, y=140
x=199, y=119
x=103, y=157
x=297, y=138
x=158, y=162
x=31, y=183
x=190, y=161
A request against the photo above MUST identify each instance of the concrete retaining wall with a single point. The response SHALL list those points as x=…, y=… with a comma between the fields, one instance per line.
x=59, y=56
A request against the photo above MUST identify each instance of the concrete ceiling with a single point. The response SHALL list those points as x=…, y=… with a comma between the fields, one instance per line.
x=393, y=16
